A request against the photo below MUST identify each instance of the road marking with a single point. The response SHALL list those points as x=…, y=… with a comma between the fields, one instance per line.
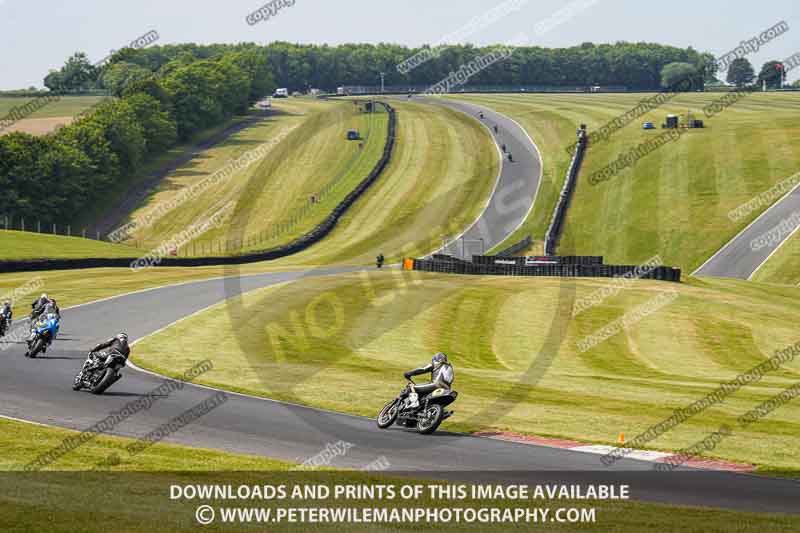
x=759, y=217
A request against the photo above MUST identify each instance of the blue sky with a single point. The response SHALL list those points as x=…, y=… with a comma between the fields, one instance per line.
x=38, y=35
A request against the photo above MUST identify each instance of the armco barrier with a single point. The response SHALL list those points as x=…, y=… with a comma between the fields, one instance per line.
x=301, y=243
x=571, y=270
x=560, y=212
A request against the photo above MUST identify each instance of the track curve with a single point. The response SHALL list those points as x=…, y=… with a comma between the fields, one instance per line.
x=39, y=391
x=515, y=190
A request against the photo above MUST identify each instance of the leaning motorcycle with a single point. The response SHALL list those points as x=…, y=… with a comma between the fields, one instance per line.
x=426, y=416
x=43, y=333
x=97, y=375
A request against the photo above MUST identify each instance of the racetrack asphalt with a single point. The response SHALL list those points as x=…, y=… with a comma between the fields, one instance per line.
x=750, y=249
x=39, y=390
x=515, y=190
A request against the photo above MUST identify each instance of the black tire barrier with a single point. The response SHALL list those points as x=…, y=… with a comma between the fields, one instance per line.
x=524, y=244
x=560, y=212
x=303, y=242
x=562, y=270
x=445, y=257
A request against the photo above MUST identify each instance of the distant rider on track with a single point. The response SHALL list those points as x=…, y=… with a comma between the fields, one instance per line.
x=442, y=376
x=5, y=317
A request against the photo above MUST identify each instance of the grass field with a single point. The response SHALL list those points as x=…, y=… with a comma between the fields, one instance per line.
x=301, y=151
x=73, y=287
x=429, y=190
x=331, y=332
x=121, y=189
x=47, y=118
x=136, y=496
x=26, y=245
x=673, y=202
x=784, y=265
x=66, y=106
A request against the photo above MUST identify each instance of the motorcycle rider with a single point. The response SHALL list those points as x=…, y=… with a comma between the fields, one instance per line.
x=37, y=307
x=49, y=308
x=5, y=317
x=442, y=376
x=99, y=354
x=52, y=307
x=117, y=344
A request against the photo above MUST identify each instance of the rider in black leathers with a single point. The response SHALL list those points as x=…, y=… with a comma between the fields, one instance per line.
x=38, y=306
x=51, y=308
x=117, y=344
x=5, y=317
x=99, y=354
x=442, y=376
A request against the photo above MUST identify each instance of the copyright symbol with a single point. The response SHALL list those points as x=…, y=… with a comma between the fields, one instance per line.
x=204, y=515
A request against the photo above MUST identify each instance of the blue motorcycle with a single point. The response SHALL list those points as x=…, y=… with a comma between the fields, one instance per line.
x=43, y=334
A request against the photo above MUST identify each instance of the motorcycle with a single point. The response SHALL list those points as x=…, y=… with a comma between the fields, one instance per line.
x=43, y=333
x=426, y=416
x=98, y=375
x=4, y=324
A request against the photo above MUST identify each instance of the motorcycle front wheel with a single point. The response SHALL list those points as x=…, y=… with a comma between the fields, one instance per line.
x=36, y=348
x=388, y=414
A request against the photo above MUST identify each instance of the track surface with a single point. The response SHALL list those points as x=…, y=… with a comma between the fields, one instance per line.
x=515, y=189
x=39, y=390
x=738, y=259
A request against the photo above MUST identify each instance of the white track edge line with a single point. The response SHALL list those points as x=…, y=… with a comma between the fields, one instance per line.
x=767, y=210
x=764, y=262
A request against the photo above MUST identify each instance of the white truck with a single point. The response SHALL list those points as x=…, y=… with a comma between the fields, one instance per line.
x=281, y=93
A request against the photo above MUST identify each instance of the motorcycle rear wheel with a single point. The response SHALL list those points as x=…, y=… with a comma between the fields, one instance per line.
x=430, y=419
x=105, y=382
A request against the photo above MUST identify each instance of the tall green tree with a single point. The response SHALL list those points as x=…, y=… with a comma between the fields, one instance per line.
x=741, y=72
x=772, y=72
x=159, y=130
x=117, y=76
x=681, y=76
x=78, y=74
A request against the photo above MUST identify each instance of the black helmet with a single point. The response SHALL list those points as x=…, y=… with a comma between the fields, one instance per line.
x=122, y=337
x=439, y=359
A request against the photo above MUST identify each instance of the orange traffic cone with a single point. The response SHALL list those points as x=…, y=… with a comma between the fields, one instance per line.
x=621, y=439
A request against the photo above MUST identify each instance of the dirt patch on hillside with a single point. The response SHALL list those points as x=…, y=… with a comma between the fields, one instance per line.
x=37, y=126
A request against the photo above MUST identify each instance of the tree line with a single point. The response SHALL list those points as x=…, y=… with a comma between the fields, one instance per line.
x=56, y=177
x=163, y=94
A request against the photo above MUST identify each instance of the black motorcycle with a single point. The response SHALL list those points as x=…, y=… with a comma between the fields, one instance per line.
x=426, y=416
x=3, y=325
x=98, y=375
